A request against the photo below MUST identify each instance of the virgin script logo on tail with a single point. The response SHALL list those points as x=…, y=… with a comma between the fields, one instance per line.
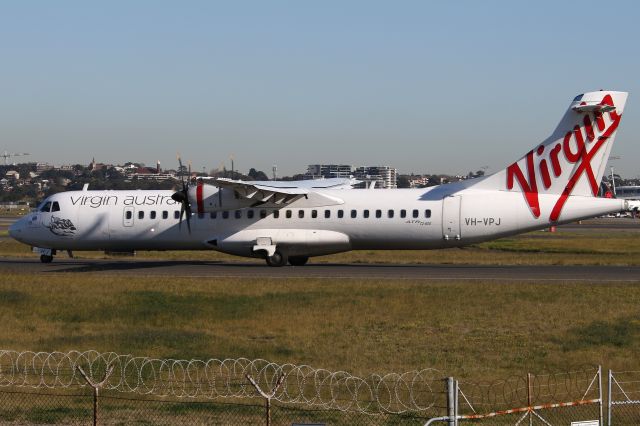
x=578, y=148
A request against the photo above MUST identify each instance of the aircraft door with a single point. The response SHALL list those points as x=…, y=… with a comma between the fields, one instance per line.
x=451, y=218
x=128, y=215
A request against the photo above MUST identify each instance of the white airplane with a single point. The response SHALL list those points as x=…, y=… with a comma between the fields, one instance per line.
x=555, y=182
x=632, y=195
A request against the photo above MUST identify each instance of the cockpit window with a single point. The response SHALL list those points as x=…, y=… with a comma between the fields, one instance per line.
x=55, y=207
x=46, y=207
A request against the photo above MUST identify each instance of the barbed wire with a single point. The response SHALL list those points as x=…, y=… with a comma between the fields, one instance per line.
x=579, y=384
x=413, y=391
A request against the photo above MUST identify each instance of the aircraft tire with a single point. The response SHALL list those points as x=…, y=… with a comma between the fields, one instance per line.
x=46, y=258
x=278, y=259
x=298, y=260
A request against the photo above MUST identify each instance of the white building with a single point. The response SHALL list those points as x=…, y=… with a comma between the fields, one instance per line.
x=383, y=176
x=317, y=171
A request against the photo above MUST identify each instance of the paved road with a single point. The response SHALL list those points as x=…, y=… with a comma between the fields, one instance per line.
x=207, y=269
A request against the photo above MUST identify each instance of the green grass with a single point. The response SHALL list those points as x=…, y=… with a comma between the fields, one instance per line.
x=481, y=329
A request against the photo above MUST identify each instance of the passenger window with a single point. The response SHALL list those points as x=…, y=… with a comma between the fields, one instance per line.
x=213, y=215
x=249, y=214
x=288, y=214
x=141, y=214
x=225, y=214
x=152, y=215
x=403, y=213
x=427, y=213
x=327, y=214
x=176, y=214
x=55, y=207
x=301, y=214
x=263, y=214
x=354, y=214
x=365, y=214
x=276, y=214
x=238, y=214
x=415, y=214
x=165, y=214
x=314, y=213
x=46, y=207
x=128, y=215
x=390, y=214
x=340, y=214
x=378, y=214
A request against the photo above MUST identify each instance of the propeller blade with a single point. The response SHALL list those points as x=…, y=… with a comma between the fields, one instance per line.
x=182, y=196
x=188, y=211
x=181, y=214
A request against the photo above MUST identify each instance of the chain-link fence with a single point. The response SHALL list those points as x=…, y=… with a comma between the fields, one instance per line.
x=75, y=408
x=107, y=388
x=624, y=398
x=73, y=387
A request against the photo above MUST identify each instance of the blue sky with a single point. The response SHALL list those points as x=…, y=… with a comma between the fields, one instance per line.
x=434, y=87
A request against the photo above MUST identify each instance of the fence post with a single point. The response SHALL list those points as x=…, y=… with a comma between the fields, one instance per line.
x=96, y=387
x=451, y=402
x=457, y=402
x=609, y=395
x=600, y=393
x=529, y=399
x=267, y=396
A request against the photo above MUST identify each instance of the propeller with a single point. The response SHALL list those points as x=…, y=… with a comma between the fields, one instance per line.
x=182, y=197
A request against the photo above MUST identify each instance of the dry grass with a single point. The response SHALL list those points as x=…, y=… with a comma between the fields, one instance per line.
x=480, y=330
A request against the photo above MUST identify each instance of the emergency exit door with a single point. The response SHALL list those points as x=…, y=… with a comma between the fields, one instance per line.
x=451, y=217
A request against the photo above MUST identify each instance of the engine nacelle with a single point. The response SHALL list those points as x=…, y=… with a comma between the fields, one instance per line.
x=205, y=198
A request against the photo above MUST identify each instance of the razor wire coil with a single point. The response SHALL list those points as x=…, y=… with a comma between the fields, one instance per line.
x=413, y=391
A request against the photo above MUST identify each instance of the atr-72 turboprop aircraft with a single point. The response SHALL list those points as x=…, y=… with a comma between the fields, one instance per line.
x=555, y=182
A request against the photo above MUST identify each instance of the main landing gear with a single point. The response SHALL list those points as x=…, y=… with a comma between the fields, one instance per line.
x=277, y=259
x=298, y=260
x=280, y=258
x=46, y=258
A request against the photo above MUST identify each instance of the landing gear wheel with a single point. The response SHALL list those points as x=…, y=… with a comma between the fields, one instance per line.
x=45, y=258
x=278, y=259
x=298, y=260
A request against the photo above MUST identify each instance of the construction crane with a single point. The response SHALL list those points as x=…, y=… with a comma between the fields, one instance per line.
x=7, y=155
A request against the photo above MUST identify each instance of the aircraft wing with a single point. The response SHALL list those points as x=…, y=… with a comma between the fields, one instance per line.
x=279, y=192
x=261, y=193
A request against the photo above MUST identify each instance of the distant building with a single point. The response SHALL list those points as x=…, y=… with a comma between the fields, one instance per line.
x=43, y=167
x=418, y=181
x=150, y=173
x=96, y=166
x=317, y=171
x=12, y=175
x=383, y=176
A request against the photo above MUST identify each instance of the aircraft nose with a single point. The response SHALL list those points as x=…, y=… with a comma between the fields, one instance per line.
x=15, y=229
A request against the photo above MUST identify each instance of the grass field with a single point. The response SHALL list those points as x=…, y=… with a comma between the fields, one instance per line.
x=480, y=330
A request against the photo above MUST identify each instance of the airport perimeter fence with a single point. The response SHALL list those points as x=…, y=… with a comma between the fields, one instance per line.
x=107, y=388
x=73, y=387
x=624, y=398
